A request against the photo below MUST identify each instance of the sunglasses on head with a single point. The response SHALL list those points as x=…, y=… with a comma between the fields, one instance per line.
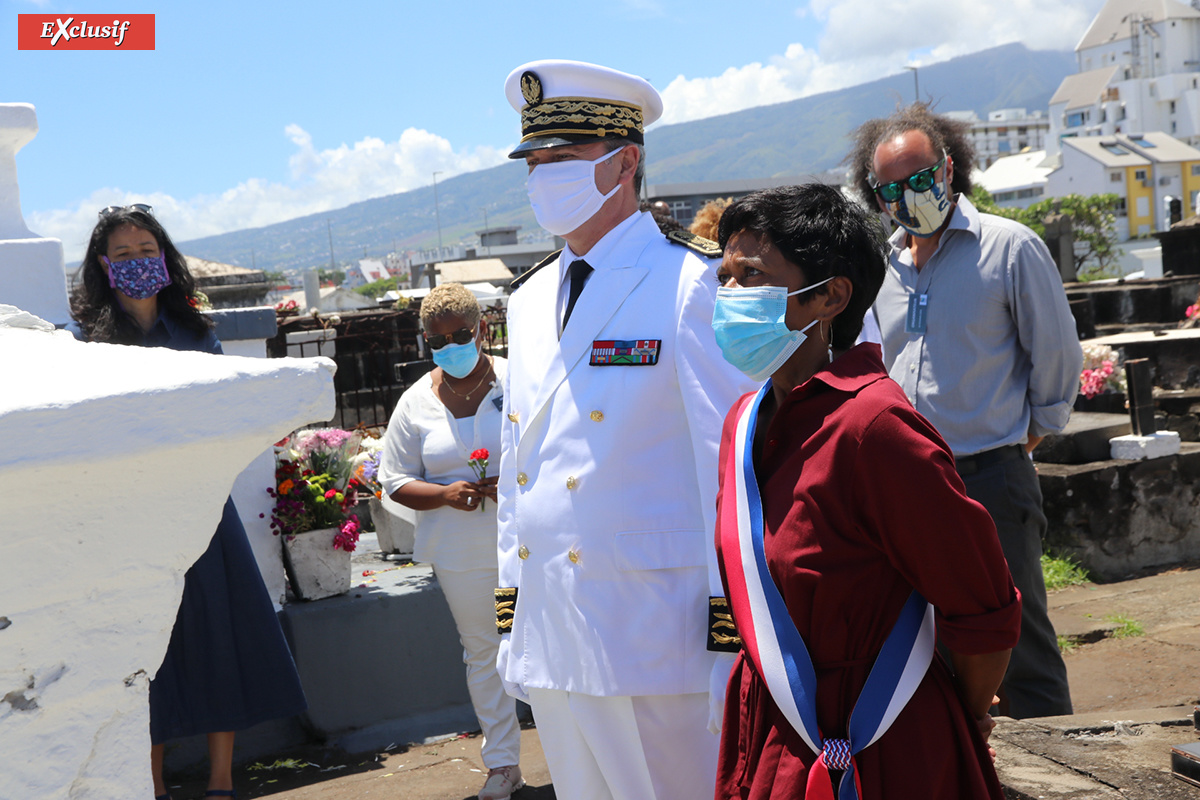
x=439, y=340
x=145, y=209
x=919, y=182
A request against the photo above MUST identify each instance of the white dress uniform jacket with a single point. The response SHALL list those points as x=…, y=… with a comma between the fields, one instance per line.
x=608, y=474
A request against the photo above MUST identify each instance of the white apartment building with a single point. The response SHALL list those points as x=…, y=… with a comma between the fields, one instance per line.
x=1006, y=132
x=1139, y=65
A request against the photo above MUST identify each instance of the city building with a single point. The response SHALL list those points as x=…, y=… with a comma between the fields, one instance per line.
x=1005, y=132
x=1147, y=171
x=1016, y=181
x=685, y=199
x=1139, y=70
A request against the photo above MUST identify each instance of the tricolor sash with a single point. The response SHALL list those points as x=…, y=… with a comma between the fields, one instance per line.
x=778, y=652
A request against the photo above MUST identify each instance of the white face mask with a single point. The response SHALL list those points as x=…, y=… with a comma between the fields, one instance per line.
x=564, y=194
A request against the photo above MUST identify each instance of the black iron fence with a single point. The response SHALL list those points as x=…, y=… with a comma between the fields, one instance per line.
x=379, y=354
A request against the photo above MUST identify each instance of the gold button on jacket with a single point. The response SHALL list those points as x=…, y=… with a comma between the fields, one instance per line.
x=513, y=416
x=522, y=479
x=571, y=482
x=573, y=554
x=523, y=552
x=597, y=416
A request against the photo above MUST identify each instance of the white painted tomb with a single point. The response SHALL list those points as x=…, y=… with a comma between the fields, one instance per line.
x=1132, y=447
x=115, y=464
x=28, y=263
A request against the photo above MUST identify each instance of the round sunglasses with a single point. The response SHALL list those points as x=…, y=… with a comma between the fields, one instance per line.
x=919, y=182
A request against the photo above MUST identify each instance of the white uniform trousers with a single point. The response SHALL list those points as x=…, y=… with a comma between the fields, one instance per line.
x=470, y=595
x=650, y=747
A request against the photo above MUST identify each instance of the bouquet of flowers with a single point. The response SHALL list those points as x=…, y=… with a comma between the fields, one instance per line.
x=314, y=487
x=365, y=466
x=1099, y=374
x=285, y=307
x=479, y=462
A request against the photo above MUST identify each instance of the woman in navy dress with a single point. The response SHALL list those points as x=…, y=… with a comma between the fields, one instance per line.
x=227, y=666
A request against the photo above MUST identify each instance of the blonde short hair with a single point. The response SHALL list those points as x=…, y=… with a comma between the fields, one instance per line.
x=450, y=299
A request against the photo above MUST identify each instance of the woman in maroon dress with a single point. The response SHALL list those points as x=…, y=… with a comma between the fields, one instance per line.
x=860, y=508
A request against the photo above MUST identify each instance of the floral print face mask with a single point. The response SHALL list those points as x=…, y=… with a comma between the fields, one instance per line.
x=138, y=278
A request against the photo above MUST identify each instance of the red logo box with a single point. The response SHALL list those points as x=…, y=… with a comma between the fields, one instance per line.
x=85, y=32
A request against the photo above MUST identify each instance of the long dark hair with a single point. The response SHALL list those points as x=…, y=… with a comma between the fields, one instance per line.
x=94, y=303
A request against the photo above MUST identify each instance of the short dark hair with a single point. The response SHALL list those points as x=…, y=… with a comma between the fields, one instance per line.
x=825, y=234
x=944, y=133
x=94, y=303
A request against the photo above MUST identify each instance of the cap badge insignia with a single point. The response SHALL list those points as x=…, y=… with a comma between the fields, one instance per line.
x=531, y=88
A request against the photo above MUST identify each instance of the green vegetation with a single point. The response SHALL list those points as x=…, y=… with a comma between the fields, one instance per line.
x=1126, y=628
x=1060, y=572
x=1066, y=644
x=1094, y=219
x=377, y=288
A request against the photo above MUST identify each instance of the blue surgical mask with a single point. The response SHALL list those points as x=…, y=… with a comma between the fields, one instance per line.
x=750, y=330
x=457, y=360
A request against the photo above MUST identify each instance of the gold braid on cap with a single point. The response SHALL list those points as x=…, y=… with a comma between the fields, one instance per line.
x=581, y=116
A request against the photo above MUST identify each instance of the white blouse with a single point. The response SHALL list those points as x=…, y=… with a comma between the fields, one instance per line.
x=423, y=442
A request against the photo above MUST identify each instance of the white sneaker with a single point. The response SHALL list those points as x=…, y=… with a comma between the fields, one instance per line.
x=501, y=783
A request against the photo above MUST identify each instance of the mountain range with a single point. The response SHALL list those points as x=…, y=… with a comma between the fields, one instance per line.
x=799, y=137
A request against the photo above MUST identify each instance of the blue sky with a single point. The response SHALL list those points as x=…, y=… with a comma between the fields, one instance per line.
x=249, y=113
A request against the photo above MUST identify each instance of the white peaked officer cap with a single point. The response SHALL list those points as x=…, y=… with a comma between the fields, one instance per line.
x=570, y=102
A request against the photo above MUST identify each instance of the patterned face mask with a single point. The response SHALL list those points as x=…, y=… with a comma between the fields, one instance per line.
x=138, y=278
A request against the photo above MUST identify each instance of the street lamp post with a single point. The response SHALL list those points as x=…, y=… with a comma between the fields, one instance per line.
x=916, y=85
x=485, y=230
x=436, y=213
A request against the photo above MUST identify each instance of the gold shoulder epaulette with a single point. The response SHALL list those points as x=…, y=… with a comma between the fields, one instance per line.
x=519, y=281
x=697, y=244
x=722, y=633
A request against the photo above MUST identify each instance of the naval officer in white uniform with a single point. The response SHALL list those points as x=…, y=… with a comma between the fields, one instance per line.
x=614, y=401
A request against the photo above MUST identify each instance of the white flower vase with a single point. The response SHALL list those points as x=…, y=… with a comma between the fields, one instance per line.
x=315, y=568
x=396, y=532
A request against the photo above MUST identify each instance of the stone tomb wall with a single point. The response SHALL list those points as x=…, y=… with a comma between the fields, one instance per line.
x=137, y=449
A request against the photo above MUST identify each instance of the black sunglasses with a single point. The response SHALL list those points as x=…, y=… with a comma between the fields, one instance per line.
x=919, y=182
x=439, y=340
x=145, y=209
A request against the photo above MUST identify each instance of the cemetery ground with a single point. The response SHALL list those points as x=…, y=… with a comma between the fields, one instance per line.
x=1129, y=646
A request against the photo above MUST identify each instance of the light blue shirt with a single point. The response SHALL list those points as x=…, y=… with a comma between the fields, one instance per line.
x=999, y=359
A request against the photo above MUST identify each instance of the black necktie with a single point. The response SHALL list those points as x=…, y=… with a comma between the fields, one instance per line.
x=580, y=270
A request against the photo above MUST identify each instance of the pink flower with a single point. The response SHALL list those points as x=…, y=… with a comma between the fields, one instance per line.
x=1192, y=310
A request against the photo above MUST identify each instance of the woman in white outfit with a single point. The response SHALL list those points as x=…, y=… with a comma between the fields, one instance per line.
x=439, y=422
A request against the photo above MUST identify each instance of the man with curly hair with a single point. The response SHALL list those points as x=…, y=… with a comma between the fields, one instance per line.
x=977, y=331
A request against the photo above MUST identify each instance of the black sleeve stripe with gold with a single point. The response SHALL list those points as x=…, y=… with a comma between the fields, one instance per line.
x=722, y=633
x=697, y=244
x=506, y=605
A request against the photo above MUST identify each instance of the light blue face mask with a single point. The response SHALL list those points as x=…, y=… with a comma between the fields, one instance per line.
x=750, y=329
x=457, y=359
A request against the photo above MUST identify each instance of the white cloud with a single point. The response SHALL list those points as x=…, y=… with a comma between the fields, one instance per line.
x=863, y=40
x=320, y=180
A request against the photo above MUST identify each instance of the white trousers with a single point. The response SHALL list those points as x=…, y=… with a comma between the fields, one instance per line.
x=470, y=595
x=652, y=747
